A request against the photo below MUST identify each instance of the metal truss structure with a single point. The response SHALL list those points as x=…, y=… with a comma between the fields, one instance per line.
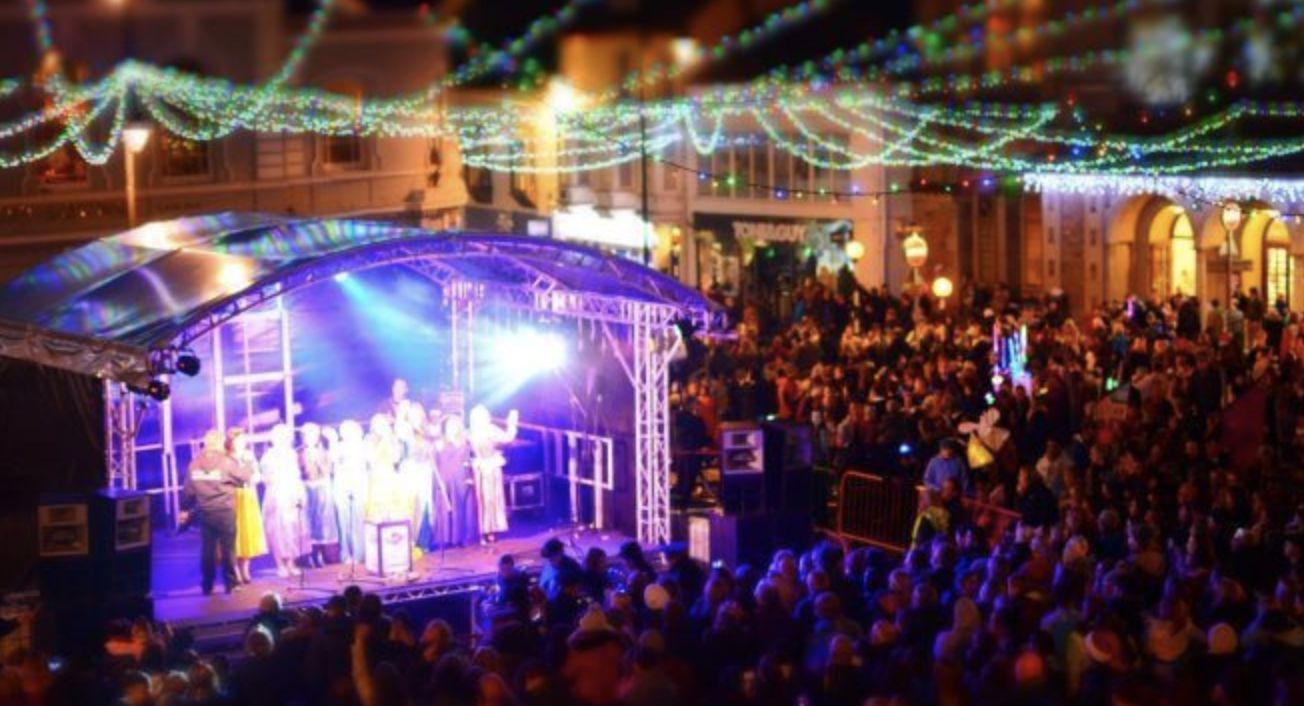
x=643, y=314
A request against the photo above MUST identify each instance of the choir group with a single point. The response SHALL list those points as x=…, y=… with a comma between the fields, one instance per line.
x=430, y=470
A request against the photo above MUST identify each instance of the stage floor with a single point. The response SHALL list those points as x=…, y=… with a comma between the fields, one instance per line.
x=179, y=601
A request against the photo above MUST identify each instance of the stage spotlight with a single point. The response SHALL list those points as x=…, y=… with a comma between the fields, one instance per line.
x=188, y=363
x=156, y=389
x=340, y=277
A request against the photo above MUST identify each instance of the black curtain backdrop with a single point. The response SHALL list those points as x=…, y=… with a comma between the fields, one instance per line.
x=51, y=441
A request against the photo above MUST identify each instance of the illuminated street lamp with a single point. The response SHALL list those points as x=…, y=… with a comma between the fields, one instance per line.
x=134, y=139
x=916, y=250
x=855, y=250
x=1232, y=215
x=943, y=288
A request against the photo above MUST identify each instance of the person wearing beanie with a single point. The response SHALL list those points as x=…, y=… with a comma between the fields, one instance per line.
x=593, y=661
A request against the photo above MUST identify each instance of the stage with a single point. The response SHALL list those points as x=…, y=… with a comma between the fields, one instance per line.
x=465, y=572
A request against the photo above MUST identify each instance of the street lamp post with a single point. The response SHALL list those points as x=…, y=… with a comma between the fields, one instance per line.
x=1231, y=220
x=134, y=139
x=916, y=251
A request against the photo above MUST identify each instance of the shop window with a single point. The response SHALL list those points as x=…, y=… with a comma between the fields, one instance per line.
x=183, y=157
x=344, y=151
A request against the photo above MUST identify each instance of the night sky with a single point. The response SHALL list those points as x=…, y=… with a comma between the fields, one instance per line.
x=846, y=24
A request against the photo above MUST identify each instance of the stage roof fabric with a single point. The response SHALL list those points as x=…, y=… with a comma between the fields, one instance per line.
x=102, y=308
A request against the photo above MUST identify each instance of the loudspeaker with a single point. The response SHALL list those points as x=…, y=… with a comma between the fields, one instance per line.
x=789, y=468
x=121, y=542
x=742, y=539
x=742, y=467
x=95, y=555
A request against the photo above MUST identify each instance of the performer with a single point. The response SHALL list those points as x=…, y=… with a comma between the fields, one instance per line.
x=250, y=540
x=418, y=471
x=350, y=490
x=314, y=458
x=284, y=502
x=209, y=498
x=487, y=463
x=456, y=519
x=388, y=498
x=396, y=406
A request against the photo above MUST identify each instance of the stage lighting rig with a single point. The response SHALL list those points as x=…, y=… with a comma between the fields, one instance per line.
x=187, y=363
x=156, y=390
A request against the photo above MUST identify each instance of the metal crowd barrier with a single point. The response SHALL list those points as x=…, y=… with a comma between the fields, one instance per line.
x=880, y=512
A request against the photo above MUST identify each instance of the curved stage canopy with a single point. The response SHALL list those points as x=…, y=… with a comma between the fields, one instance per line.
x=116, y=307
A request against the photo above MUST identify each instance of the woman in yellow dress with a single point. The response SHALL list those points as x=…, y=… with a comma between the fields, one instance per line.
x=250, y=540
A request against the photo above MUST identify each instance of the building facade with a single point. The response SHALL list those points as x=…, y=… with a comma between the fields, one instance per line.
x=62, y=201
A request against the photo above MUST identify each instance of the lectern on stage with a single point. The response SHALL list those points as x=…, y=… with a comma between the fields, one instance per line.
x=388, y=547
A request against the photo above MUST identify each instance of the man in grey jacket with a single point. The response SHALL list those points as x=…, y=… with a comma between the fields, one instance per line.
x=209, y=501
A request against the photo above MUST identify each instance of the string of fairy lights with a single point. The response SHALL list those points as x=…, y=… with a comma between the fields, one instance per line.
x=833, y=114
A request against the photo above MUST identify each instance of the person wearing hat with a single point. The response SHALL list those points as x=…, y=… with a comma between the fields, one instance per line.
x=594, y=660
x=208, y=497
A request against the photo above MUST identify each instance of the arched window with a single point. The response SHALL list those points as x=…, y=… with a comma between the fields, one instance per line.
x=1279, y=266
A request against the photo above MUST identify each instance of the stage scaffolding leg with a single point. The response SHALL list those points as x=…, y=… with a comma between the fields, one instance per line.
x=121, y=422
x=651, y=429
x=171, y=481
x=572, y=476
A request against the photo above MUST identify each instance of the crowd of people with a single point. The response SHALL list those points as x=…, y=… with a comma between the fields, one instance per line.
x=1149, y=454
x=427, y=470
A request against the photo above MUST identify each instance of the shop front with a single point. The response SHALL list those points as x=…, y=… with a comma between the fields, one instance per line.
x=764, y=257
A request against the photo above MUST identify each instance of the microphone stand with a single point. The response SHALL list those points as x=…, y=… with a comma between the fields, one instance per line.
x=353, y=559
x=303, y=574
x=448, y=521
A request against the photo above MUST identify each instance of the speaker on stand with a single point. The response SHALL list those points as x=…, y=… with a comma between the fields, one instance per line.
x=742, y=468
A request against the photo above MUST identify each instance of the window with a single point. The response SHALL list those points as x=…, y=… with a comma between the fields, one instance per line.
x=761, y=167
x=344, y=150
x=65, y=166
x=182, y=157
x=479, y=183
x=1279, y=270
x=435, y=159
x=281, y=156
x=741, y=175
x=524, y=185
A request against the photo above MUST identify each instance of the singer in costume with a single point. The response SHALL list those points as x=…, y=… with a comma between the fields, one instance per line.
x=487, y=463
x=315, y=460
x=388, y=497
x=250, y=540
x=457, y=522
x=418, y=471
x=284, y=502
x=350, y=490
